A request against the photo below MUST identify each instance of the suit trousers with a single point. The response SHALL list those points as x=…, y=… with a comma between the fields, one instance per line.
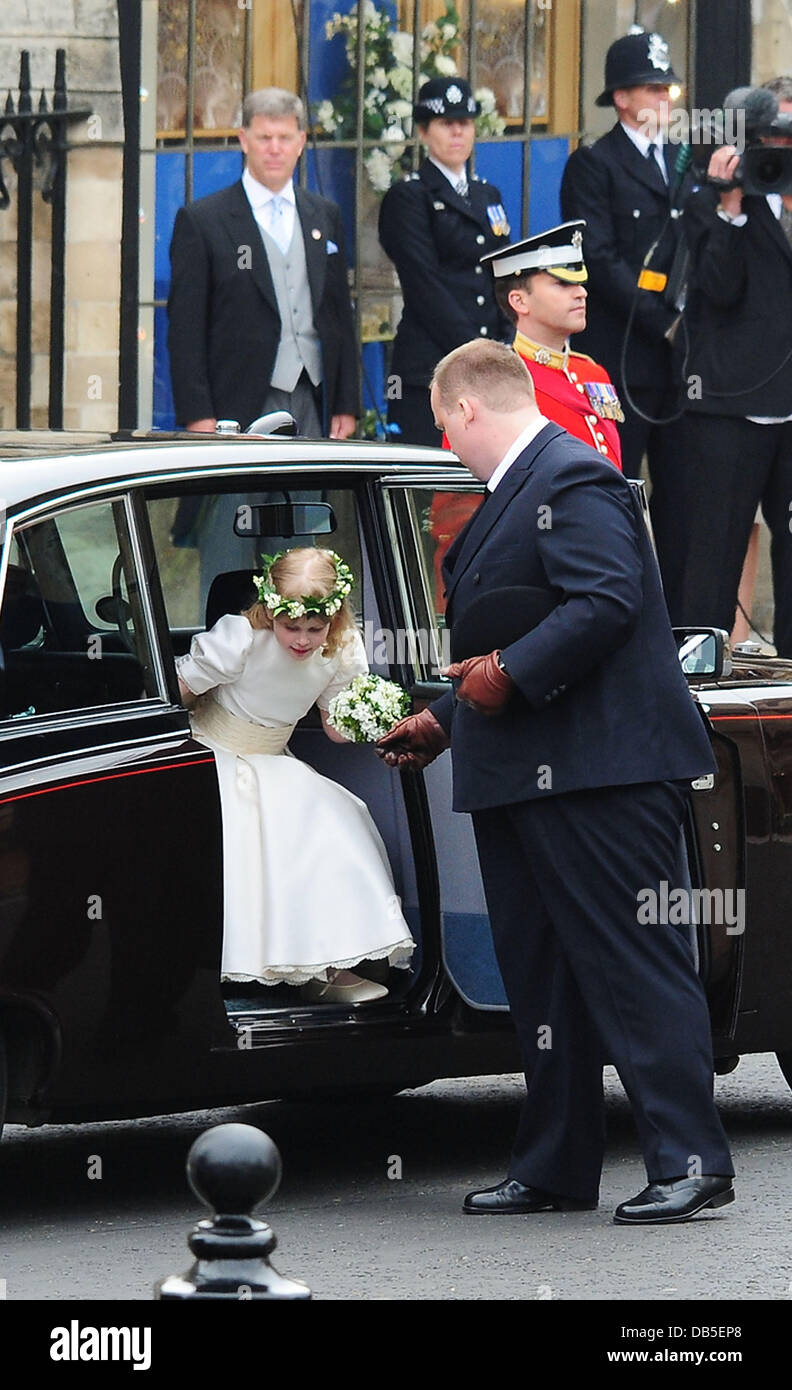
x=665, y=448
x=733, y=464
x=589, y=983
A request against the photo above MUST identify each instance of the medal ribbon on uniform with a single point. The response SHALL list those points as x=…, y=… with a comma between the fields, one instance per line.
x=499, y=222
x=604, y=400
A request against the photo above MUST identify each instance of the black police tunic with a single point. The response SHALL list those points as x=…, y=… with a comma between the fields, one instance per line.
x=436, y=239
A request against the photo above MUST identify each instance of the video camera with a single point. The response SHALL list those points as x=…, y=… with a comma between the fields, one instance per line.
x=750, y=119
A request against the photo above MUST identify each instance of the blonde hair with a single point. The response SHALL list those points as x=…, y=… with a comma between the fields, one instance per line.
x=308, y=571
x=492, y=371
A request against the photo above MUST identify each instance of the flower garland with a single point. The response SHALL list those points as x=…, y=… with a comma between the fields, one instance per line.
x=306, y=605
x=387, y=104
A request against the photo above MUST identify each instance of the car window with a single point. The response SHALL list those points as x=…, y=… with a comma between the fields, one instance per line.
x=72, y=626
x=195, y=543
x=425, y=521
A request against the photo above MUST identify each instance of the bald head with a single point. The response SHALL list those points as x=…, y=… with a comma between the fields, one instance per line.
x=488, y=370
x=483, y=398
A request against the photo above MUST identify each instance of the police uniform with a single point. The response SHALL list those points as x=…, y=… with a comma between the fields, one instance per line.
x=436, y=238
x=571, y=389
x=628, y=203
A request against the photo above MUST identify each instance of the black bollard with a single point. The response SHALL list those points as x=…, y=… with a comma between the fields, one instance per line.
x=232, y=1168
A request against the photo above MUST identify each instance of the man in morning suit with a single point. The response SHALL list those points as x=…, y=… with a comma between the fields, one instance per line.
x=624, y=187
x=739, y=365
x=573, y=745
x=540, y=284
x=436, y=225
x=259, y=307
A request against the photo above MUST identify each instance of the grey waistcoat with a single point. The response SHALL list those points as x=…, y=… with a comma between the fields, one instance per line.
x=299, y=342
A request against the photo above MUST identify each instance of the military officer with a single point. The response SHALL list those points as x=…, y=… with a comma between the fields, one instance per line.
x=540, y=286
x=435, y=225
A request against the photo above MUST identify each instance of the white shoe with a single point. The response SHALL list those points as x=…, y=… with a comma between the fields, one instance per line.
x=348, y=989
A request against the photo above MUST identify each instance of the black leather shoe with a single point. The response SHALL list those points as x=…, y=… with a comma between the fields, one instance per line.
x=513, y=1196
x=663, y=1202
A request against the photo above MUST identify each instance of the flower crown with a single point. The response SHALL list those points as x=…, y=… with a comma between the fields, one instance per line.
x=307, y=604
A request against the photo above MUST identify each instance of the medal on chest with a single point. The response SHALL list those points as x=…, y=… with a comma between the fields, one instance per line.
x=498, y=220
x=603, y=400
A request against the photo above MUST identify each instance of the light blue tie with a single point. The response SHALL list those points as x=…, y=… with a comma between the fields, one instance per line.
x=277, y=221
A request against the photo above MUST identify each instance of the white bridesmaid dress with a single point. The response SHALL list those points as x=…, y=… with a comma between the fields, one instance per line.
x=307, y=883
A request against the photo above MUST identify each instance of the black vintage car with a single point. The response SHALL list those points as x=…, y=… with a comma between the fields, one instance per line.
x=111, y=1003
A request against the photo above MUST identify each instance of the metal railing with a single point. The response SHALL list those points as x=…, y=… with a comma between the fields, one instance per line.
x=32, y=139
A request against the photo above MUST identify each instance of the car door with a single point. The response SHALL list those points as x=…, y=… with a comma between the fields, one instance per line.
x=110, y=909
x=422, y=518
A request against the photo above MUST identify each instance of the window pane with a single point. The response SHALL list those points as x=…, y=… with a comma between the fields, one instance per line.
x=195, y=542
x=72, y=626
x=428, y=520
x=218, y=65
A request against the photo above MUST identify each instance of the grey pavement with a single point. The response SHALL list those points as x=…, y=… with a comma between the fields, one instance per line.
x=353, y=1231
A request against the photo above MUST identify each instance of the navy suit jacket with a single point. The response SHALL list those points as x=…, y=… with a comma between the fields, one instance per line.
x=224, y=323
x=601, y=700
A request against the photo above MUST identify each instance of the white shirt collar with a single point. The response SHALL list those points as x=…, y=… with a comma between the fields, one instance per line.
x=258, y=195
x=521, y=442
x=775, y=204
x=453, y=178
x=641, y=141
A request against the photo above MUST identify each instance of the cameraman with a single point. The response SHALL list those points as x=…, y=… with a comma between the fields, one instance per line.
x=739, y=384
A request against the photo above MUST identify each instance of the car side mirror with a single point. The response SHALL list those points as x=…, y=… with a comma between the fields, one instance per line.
x=704, y=652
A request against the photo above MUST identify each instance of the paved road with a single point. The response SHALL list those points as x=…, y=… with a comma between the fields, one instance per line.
x=353, y=1232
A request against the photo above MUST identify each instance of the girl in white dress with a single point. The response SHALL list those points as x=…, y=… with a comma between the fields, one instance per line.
x=308, y=890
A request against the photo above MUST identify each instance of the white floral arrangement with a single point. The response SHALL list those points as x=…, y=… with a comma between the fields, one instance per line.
x=368, y=708
x=388, y=100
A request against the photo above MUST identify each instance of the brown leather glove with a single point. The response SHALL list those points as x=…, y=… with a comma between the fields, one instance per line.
x=482, y=684
x=414, y=742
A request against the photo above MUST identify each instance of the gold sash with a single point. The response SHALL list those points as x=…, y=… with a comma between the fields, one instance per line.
x=218, y=725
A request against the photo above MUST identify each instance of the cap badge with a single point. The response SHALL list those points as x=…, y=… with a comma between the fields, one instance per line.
x=658, y=53
x=453, y=94
x=577, y=239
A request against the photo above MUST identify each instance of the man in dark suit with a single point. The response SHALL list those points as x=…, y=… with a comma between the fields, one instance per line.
x=573, y=745
x=739, y=392
x=624, y=186
x=436, y=225
x=259, y=307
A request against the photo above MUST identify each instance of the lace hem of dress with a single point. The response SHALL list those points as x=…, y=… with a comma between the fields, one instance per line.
x=398, y=957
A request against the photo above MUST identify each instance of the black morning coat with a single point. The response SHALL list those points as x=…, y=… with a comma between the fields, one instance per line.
x=601, y=700
x=436, y=239
x=626, y=205
x=739, y=311
x=224, y=322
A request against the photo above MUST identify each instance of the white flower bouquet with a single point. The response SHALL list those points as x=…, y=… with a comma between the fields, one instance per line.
x=368, y=708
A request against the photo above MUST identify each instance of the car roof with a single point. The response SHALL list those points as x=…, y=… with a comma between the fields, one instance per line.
x=25, y=480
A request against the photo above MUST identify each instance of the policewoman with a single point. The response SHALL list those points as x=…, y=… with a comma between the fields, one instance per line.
x=436, y=225
x=540, y=286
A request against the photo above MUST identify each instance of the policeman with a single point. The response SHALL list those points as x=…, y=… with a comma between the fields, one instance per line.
x=435, y=225
x=540, y=286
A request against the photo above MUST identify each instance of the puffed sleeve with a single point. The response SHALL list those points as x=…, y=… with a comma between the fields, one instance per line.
x=351, y=661
x=217, y=657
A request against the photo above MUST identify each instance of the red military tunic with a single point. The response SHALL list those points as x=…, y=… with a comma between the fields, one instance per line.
x=576, y=393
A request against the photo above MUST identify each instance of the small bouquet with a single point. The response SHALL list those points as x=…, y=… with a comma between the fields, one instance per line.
x=368, y=708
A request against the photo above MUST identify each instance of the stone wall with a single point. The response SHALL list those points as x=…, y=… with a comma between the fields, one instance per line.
x=88, y=31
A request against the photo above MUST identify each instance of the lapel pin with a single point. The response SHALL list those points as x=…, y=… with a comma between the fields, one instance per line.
x=316, y=234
